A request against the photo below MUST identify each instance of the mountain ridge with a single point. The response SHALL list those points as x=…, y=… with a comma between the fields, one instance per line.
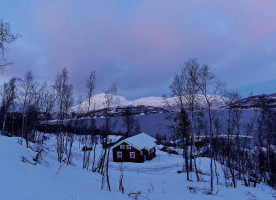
x=97, y=102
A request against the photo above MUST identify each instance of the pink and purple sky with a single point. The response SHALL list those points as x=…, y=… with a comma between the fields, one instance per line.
x=140, y=44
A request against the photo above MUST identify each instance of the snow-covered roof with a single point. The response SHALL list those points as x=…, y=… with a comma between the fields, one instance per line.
x=140, y=141
x=113, y=138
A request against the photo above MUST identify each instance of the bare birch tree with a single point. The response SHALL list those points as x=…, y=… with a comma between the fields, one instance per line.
x=185, y=91
x=90, y=86
x=6, y=38
x=110, y=100
x=181, y=123
x=131, y=125
x=63, y=90
x=8, y=99
x=27, y=92
x=209, y=87
x=191, y=96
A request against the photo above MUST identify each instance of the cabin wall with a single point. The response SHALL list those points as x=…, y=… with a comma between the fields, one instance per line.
x=126, y=154
x=149, y=154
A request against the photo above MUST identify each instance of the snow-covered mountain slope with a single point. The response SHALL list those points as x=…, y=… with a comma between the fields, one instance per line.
x=257, y=101
x=154, y=180
x=22, y=180
x=97, y=102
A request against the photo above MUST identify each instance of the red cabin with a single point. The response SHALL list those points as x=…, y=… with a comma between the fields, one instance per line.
x=138, y=148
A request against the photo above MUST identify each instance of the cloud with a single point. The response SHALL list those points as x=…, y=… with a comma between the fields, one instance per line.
x=141, y=44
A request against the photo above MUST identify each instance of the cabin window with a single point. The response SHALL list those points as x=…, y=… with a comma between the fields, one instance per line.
x=132, y=154
x=119, y=154
x=122, y=146
x=141, y=153
x=128, y=146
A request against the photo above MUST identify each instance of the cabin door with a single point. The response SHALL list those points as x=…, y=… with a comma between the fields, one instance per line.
x=145, y=157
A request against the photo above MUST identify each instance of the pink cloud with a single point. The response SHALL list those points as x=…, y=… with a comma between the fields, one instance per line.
x=151, y=40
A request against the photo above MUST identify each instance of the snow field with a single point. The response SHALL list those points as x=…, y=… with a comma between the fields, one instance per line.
x=155, y=179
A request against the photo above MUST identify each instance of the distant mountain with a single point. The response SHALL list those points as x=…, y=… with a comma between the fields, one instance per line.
x=257, y=101
x=98, y=102
x=147, y=103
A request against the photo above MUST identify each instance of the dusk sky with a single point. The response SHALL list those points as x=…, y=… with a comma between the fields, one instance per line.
x=140, y=45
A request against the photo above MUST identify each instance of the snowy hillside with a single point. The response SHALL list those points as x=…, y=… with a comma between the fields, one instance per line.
x=154, y=180
x=257, y=101
x=97, y=102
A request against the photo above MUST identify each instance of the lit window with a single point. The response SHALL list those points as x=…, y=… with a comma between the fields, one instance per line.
x=119, y=154
x=122, y=146
x=132, y=154
x=128, y=146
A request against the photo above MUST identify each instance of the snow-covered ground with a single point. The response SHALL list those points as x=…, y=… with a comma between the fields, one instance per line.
x=155, y=179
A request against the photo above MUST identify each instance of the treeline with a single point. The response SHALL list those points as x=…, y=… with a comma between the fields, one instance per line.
x=191, y=126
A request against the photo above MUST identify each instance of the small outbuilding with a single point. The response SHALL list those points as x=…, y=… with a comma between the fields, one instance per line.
x=138, y=148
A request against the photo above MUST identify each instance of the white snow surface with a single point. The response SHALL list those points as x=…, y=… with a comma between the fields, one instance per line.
x=155, y=180
x=140, y=141
x=97, y=102
x=113, y=138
